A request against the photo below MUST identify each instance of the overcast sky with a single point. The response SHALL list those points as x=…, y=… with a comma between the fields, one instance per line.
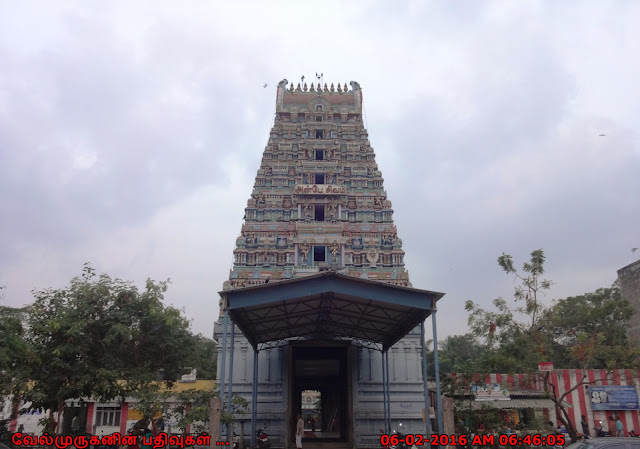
x=131, y=133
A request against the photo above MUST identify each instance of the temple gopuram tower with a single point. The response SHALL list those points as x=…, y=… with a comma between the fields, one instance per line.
x=319, y=205
x=318, y=201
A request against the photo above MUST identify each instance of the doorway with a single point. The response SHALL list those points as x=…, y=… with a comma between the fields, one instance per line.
x=321, y=391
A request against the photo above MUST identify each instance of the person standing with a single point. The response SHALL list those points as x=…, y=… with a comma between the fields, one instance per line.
x=299, y=432
x=585, y=427
x=612, y=426
x=619, y=427
x=149, y=434
x=75, y=426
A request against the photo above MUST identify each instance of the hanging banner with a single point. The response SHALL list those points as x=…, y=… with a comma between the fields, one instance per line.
x=614, y=397
x=491, y=392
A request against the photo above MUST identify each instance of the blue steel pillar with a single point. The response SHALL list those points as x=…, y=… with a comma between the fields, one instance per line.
x=254, y=398
x=388, y=392
x=437, y=369
x=426, y=386
x=384, y=393
x=231, y=349
x=224, y=358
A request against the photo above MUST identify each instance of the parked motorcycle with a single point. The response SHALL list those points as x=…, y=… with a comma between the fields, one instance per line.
x=263, y=438
x=399, y=437
x=387, y=446
x=600, y=432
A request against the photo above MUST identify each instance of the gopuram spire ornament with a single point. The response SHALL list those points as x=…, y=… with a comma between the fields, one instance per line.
x=318, y=201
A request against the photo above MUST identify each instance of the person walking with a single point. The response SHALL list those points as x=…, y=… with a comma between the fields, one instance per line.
x=619, y=427
x=585, y=427
x=299, y=432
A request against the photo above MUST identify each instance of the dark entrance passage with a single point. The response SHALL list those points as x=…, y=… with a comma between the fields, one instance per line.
x=79, y=414
x=321, y=391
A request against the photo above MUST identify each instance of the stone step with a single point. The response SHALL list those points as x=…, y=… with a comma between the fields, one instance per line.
x=325, y=445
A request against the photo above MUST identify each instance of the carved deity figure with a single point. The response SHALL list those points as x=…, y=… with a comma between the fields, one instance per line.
x=332, y=211
x=304, y=250
x=372, y=257
x=307, y=210
x=334, y=248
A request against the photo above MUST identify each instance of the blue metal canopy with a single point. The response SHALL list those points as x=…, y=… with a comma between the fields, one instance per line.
x=327, y=306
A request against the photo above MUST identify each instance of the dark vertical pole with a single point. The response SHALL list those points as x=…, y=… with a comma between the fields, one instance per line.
x=437, y=369
x=384, y=393
x=254, y=398
x=224, y=358
x=231, y=351
x=388, y=392
x=426, y=386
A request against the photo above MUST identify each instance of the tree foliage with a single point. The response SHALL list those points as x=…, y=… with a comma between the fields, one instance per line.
x=14, y=352
x=102, y=337
x=203, y=357
x=581, y=332
x=459, y=354
x=187, y=408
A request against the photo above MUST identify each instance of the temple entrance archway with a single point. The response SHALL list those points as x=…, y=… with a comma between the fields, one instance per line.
x=320, y=390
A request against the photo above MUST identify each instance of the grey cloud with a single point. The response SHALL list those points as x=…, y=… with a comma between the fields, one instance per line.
x=484, y=120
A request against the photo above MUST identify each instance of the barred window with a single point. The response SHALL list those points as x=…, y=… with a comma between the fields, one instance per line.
x=108, y=416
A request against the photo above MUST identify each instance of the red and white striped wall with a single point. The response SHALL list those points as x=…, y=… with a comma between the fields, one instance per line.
x=580, y=398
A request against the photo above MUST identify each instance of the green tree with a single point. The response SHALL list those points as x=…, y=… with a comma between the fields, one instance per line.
x=203, y=357
x=193, y=409
x=14, y=352
x=101, y=337
x=577, y=332
x=459, y=353
x=591, y=329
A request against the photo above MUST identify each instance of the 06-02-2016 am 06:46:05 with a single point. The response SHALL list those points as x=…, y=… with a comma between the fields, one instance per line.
x=477, y=440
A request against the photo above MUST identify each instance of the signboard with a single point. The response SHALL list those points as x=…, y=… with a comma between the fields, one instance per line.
x=545, y=366
x=614, y=397
x=491, y=392
x=320, y=189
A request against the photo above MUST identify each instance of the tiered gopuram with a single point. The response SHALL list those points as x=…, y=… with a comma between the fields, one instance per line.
x=318, y=200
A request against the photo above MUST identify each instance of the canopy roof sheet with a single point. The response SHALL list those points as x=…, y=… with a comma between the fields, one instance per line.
x=327, y=306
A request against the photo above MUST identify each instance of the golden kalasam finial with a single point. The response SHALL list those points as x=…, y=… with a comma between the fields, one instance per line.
x=311, y=89
x=332, y=88
x=298, y=88
x=326, y=89
x=339, y=88
x=291, y=87
x=346, y=89
x=305, y=87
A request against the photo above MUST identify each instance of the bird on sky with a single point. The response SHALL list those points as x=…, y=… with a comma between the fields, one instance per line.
x=633, y=250
x=265, y=85
x=601, y=135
